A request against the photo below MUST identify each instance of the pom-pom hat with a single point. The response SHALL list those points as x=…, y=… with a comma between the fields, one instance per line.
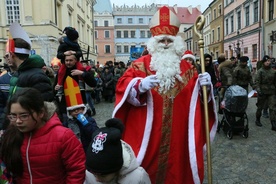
x=164, y=22
x=104, y=154
x=71, y=33
x=188, y=54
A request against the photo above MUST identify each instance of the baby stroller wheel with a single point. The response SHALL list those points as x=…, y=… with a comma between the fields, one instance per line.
x=245, y=134
x=230, y=134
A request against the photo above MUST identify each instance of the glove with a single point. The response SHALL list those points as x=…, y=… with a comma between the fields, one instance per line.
x=204, y=79
x=148, y=83
x=81, y=118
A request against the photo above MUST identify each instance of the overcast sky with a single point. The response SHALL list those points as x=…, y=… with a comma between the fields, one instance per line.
x=183, y=3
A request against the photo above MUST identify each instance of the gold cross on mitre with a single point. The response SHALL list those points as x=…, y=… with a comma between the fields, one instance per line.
x=72, y=92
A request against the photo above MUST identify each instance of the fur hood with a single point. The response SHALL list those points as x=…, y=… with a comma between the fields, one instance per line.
x=227, y=63
x=50, y=109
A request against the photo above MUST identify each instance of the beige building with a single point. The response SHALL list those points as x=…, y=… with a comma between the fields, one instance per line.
x=269, y=29
x=216, y=28
x=207, y=33
x=44, y=22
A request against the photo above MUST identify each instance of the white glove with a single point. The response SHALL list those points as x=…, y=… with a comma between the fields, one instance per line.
x=148, y=83
x=204, y=79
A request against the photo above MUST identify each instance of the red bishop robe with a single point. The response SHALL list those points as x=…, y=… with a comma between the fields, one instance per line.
x=167, y=131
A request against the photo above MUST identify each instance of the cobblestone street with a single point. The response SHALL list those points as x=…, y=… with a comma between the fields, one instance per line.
x=240, y=160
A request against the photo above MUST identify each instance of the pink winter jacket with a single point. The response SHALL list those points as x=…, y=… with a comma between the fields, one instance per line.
x=52, y=154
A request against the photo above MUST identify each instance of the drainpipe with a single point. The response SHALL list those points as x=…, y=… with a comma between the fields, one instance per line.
x=261, y=35
x=56, y=12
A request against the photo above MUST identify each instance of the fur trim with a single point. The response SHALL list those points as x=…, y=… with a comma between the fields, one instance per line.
x=189, y=56
x=74, y=107
x=50, y=108
x=226, y=63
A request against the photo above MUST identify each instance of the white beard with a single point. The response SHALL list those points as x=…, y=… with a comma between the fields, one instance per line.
x=166, y=61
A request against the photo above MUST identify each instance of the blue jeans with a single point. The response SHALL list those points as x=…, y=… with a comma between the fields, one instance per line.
x=89, y=99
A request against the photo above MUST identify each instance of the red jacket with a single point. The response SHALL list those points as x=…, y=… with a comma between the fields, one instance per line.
x=52, y=154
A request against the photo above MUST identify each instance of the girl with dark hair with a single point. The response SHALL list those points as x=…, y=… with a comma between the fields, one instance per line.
x=36, y=148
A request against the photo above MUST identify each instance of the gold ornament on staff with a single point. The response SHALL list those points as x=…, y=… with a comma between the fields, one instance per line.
x=200, y=21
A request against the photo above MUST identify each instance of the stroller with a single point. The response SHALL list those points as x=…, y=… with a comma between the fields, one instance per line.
x=233, y=108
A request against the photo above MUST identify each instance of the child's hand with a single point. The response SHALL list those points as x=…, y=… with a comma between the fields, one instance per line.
x=57, y=87
x=69, y=53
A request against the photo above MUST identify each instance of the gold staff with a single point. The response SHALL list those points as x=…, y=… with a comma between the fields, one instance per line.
x=200, y=21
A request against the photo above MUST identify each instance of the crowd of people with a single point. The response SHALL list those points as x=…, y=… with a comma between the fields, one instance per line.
x=49, y=135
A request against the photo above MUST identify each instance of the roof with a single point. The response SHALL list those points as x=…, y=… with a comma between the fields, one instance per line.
x=103, y=6
x=187, y=17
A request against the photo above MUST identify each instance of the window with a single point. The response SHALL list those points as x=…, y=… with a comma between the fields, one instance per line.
x=119, y=34
x=125, y=34
x=96, y=34
x=218, y=33
x=232, y=24
x=119, y=20
x=129, y=20
x=141, y=21
x=106, y=34
x=270, y=9
x=213, y=36
x=149, y=34
x=125, y=48
x=215, y=14
x=96, y=48
x=132, y=34
x=142, y=34
x=107, y=48
x=226, y=27
x=13, y=13
x=239, y=20
x=219, y=10
x=96, y=23
x=256, y=11
x=247, y=16
x=245, y=50
x=255, y=51
x=119, y=49
x=106, y=23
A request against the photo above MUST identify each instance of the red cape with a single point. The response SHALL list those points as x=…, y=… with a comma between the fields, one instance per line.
x=167, y=138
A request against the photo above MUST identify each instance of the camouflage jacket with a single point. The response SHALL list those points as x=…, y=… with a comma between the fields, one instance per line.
x=242, y=76
x=266, y=81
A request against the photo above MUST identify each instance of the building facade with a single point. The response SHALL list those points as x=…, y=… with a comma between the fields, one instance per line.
x=131, y=30
x=207, y=30
x=104, y=31
x=44, y=22
x=216, y=28
x=243, y=29
x=269, y=29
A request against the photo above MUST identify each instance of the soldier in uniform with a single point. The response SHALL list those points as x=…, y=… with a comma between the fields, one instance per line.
x=242, y=75
x=266, y=86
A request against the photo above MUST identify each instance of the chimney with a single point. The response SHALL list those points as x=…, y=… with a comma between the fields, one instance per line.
x=175, y=8
x=190, y=9
x=198, y=7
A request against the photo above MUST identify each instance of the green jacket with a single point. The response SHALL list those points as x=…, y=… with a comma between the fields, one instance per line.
x=30, y=74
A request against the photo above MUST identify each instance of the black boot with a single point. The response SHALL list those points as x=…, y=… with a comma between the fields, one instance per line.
x=273, y=124
x=94, y=112
x=258, y=122
x=265, y=113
